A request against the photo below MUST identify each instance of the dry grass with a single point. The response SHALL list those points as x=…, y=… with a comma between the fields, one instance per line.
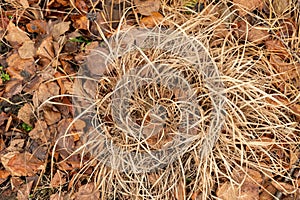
x=260, y=131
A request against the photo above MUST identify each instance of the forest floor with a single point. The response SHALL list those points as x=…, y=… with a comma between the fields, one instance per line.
x=255, y=45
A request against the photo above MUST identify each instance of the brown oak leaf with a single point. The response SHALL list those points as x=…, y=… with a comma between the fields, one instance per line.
x=21, y=164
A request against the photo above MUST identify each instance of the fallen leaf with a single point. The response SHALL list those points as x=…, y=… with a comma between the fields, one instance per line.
x=286, y=70
x=180, y=191
x=153, y=20
x=63, y=2
x=46, y=49
x=33, y=85
x=15, y=35
x=227, y=191
x=66, y=107
x=87, y=192
x=284, y=187
x=81, y=5
x=80, y=22
x=51, y=117
x=4, y=174
x=16, y=182
x=44, y=92
x=268, y=192
x=296, y=109
x=60, y=80
x=9, y=121
x=280, y=6
x=37, y=26
x=277, y=47
x=4, y=21
x=24, y=191
x=19, y=67
x=288, y=28
x=250, y=180
x=40, y=131
x=64, y=143
x=26, y=113
x=27, y=50
x=57, y=196
x=255, y=34
x=16, y=145
x=60, y=29
x=3, y=117
x=23, y=3
x=100, y=23
x=79, y=125
x=247, y=175
x=21, y=164
x=2, y=145
x=39, y=149
x=58, y=179
x=221, y=31
x=12, y=88
x=96, y=61
x=114, y=11
x=147, y=7
x=245, y=6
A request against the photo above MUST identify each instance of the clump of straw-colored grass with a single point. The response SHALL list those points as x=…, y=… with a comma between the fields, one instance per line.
x=259, y=132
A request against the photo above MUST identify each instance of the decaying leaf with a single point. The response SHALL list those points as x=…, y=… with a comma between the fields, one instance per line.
x=227, y=191
x=87, y=192
x=3, y=117
x=268, y=192
x=249, y=187
x=80, y=22
x=60, y=29
x=245, y=6
x=2, y=145
x=255, y=34
x=26, y=113
x=284, y=187
x=16, y=182
x=180, y=191
x=12, y=88
x=96, y=61
x=27, y=50
x=18, y=67
x=45, y=91
x=24, y=191
x=51, y=117
x=81, y=5
x=17, y=3
x=57, y=196
x=16, y=145
x=46, y=49
x=277, y=47
x=37, y=26
x=22, y=164
x=280, y=6
x=100, y=23
x=286, y=70
x=153, y=20
x=40, y=131
x=15, y=35
x=288, y=28
x=147, y=7
x=58, y=179
x=4, y=174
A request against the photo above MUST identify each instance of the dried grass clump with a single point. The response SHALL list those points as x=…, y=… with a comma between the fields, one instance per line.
x=260, y=131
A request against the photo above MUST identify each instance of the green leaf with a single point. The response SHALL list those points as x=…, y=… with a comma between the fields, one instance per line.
x=80, y=39
x=26, y=127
